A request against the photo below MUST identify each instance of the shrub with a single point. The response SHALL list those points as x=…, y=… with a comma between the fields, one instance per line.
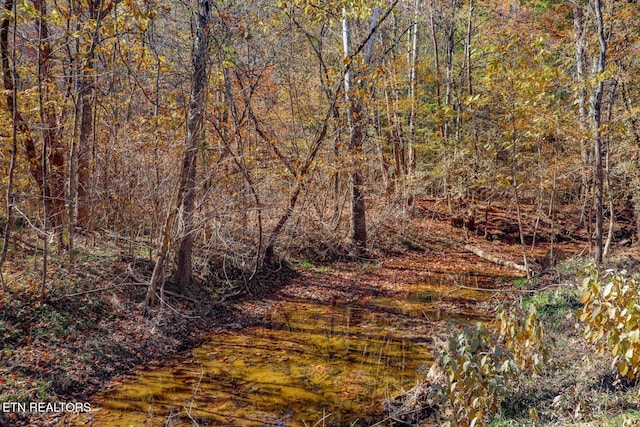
x=477, y=364
x=612, y=314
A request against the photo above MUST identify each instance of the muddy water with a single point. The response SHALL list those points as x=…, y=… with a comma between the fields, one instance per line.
x=311, y=364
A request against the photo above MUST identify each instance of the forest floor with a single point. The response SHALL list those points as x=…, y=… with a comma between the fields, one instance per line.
x=90, y=328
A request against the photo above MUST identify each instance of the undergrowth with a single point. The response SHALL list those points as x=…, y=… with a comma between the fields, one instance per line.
x=88, y=328
x=475, y=370
x=582, y=367
x=612, y=316
x=479, y=366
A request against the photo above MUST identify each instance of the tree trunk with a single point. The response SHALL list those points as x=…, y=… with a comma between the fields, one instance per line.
x=83, y=152
x=413, y=63
x=9, y=77
x=358, y=229
x=187, y=189
x=53, y=152
x=596, y=110
x=13, y=108
x=467, y=49
x=358, y=206
x=97, y=12
x=449, y=79
x=607, y=172
x=436, y=66
x=157, y=277
x=579, y=79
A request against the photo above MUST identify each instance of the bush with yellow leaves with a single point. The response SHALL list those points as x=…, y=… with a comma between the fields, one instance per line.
x=475, y=365
x=612, y=314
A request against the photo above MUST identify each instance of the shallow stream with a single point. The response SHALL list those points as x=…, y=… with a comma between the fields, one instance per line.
x=312, y=364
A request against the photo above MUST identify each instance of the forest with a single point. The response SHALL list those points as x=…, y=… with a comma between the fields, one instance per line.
x=176, y=169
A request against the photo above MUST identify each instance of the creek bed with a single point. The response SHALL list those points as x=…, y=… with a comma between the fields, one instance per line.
x=313, y=364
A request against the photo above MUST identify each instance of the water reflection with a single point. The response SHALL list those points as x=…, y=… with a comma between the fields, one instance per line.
x=311, y=363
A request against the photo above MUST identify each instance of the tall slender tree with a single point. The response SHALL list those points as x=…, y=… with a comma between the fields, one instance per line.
x=184, y=205
x=188, y=187
x=356, y=120
x=596, y=116
x=356, y=138
x=97, y=11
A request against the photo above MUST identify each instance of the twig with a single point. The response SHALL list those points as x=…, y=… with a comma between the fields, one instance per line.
x=126, y=239
x=40, y=231
x=106, y=288
x=173, y=294
x=227, y=296
x=472, y=288
x=322, y=420
x=195, y=393
x=91, y=291
x=176, y=311
x=135, y=276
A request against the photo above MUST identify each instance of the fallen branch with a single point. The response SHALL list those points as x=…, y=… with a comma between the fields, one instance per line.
x=227, y=296
x=479, y=252
x=91, y=291
x=112, y=287
x=512, y=289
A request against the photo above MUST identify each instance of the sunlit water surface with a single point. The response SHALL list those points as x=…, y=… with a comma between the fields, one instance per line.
x=315, y=364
